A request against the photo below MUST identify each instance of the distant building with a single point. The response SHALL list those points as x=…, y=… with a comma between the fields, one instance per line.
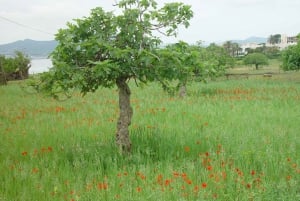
x=285, y=41
x=250, y=46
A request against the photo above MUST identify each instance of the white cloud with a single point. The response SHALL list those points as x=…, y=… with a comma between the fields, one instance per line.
x=214, y=20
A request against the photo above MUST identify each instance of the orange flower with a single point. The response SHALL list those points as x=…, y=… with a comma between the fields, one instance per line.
x=204, y=185
x=253, y=172
x=188, y=181
x=167, y=182
x=196, y=188
x=24, y=153
x=175, y=174
x=186, y=148
x=141, y=175
x=209, y=168
x=138, y=189
x=102, y=186
x=35, y=170
x=248, y=185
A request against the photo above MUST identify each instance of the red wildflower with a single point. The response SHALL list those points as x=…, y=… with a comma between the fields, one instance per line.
x=188, y=181
x=248, y=185
x=204, y=185
x=186, y=148
x=167, y=182
x=209, y=168
x=24, y=153
x=253, y=172
x=138, y=189
x=102, y=186
x=175, y=174
x=35, y=170
x=196, y=188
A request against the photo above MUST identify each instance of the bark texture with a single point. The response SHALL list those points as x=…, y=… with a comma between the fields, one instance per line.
x=182, y=91
x=122, y=134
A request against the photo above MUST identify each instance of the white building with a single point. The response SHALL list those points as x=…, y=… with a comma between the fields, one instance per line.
x=285, y=41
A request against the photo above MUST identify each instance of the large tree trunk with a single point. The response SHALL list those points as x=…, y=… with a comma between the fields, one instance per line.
x=122, y=134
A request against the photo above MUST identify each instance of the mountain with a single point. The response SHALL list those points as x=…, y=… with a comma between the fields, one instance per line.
x=30, y=47
x=252, y=39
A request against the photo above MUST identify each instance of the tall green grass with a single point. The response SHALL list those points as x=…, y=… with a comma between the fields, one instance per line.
x=227, y=140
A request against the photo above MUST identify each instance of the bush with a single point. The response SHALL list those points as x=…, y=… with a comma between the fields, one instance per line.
x=14, y=68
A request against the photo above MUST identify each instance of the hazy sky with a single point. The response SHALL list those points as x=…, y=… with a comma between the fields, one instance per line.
x=214, y=20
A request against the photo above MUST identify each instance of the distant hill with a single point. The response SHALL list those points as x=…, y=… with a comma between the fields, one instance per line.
x=253, y=39
x=30, y=47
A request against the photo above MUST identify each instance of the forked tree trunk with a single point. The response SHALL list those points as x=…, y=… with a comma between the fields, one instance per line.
x=122, y=134
x=182, y=91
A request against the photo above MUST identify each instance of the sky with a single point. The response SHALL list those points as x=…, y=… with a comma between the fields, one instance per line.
x=213, y=21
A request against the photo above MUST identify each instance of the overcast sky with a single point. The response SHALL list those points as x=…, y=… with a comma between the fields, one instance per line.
x=214, y=20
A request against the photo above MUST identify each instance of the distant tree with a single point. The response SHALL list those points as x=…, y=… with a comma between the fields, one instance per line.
x=274, y=39
x=228, y=47
x=231, y=48
x=16, y=67
x=218, y=55
x=193, y=63
x=106, y=50
x=3, y=79
x=256, y=59
x=291, y=57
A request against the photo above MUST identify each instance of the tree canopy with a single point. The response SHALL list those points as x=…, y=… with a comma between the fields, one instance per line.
x=106, y=50
x=291, y=57
x=256, y=59
x=14, y=68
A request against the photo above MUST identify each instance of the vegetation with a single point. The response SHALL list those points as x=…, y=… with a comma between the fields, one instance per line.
x=256, y=59
x=233, y=49
x=104, y=50
x=274, y=39
x=270, y=52
x=14, y=68
x=291, y=57
x=227, y=140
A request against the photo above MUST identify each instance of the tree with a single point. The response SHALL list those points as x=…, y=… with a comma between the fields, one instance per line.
x=104, y=50
x=274, y=39
x=15, y=68
x=218, y=55
x=256, y=59
x=291, y=57
x=3, y=80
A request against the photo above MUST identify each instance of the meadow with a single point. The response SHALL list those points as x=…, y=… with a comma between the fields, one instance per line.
x=235, y=139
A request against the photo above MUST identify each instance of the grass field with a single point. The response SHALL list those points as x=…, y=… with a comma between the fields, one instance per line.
x=235, y=139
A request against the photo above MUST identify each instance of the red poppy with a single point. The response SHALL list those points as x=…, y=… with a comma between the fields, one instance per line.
x=138, y=189
x=204, y=185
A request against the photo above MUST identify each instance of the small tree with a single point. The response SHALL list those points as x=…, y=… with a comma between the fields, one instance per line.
x=107, y=50
x=15, y=68
x=256, y=59
x=291, y=57
x=3, y=80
